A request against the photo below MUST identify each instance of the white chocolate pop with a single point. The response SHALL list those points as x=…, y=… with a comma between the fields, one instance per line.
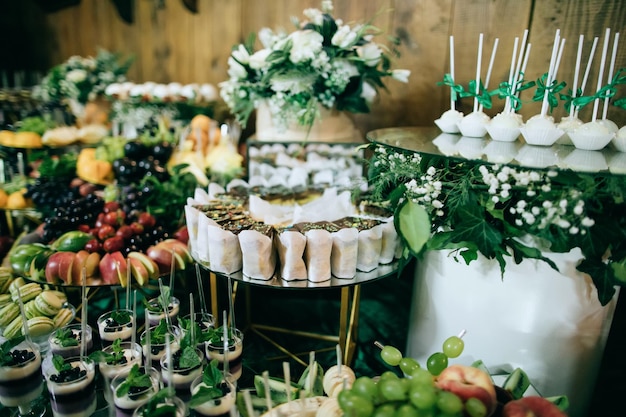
x=504, y=127
x=591, y=136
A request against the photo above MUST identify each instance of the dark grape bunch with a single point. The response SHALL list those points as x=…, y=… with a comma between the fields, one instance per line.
x=69, y=214
x=142, y=160
x=47, y=193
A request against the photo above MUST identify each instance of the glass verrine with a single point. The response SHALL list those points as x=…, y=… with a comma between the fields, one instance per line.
x=215, y=350
x=205, y=323
x=71, y=384
x=116, y=324
x=20, y=378
x=166, y=406
x=158, y=347
x=182, y=374
x=127, y=400
x=155, y=312
x=215, y=407
x=66, y=340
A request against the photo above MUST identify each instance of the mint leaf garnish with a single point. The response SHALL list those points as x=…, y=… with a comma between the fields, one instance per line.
x=120, y=316
x=112, y=358
x=203, y=395
x=189, y=358
x=59, y=363
x=65, y=337
x=5, y=350
x=212, y=375
x=157, y=334
x=135, y=378
x=158, y=405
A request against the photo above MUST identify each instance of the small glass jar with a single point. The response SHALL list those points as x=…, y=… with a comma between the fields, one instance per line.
x=217, y=407
x=72, y=393
x=126, y=404
x=21, y=383
x=158, y=349
x=111, y=326
x=57, y=346
x=233, y=355
x=155, y=310
x=181, y=377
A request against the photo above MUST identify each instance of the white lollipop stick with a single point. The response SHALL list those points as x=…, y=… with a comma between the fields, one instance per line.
x=588, y=68
x=522, y=71
x=605, y=48
x=555, y=48
x=452, y=104
x=478, y=65
x=507, y=101
x=558, y=60
x=520, y=58
x=610, y=77
x=579, y=53
x=490, y=67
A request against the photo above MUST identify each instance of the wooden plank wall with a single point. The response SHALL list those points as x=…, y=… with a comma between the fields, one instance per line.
x=172, y=44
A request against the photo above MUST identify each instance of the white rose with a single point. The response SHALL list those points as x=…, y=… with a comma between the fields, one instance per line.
x=315, y=16
x=267, y=37
x=76, y=75
x=401, y=75
x=241, y=54
x=344, y=37
x=368, y=93
x=305, y=45
x=258, y=60
x=370, y=53
x=235, y=69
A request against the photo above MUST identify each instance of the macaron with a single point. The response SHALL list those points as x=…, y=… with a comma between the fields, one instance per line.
x=62, y=318
x=15, y=284
x=8, y=313
x=48, y=303
x=40, y=326
x=27, y=292
x=5, y=299
x=14, y=328
x=31, y=310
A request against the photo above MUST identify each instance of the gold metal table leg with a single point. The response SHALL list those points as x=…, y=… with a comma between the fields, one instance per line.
x=213, y=286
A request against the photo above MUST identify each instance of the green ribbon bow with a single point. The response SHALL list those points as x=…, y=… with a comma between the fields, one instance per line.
x=457, y=90
x=606, y=92
x=506, y=90
x=551, y=90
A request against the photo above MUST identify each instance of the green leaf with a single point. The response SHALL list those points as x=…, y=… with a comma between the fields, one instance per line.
x=602, y=276
x=413, y=224
x=212, y=375
x=135, y=378
x=472, y=226
x=203, y=395
x=59, y=363
x=120, y=316
x=6, y=347
x=189, y=358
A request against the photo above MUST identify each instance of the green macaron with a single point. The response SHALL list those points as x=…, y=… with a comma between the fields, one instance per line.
x=27, y=292
x=63, y=317
x=5, y=299
x=40, y=326
x=8, y=313
x=14, y=328
x=14, y=285
x=48, y=303
x=31, y=310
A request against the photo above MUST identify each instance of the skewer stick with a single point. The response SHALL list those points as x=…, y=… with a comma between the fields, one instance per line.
x=225, y=327
x=203, y=308
x=25, y=329
x=248, y=401
x=579, y=53
x=148, y=351
x=518, y=67
x=83, y=314
x=170, y=371
x=490, y=67
x=172, y=274
x=287, y=376
x=309, y=377
x=605, y=109
x=231, y=307
x=478, y=67
x=587, y=69
x=128, y=282
x=452, y=104
x=192, y=322
x=605, y=48
x=165, y=304
x=268, y=399
x=133, y=336
x=558, y=60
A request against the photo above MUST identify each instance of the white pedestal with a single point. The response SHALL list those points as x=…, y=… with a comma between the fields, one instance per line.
x=548, y=323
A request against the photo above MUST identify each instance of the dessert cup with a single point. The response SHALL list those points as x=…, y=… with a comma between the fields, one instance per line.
x=586, y=161
x=72, y=393
x=181, y=377
x=504, y=127
x=176, y=406
x=541, y=131
x=159, y=348
x=60, y=347
x=591, y=136
x=126, y=404
x=449, y=121
x=21, y=382
x=215, y=350
x=155, y=312
x=619, y=140
x=474, y=124
x=109, y=371
x=568, y=124
x=217, y=407
x=110, y=329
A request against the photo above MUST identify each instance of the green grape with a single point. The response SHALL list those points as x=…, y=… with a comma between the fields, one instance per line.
x=423, y=397
x=405, y=410
x=354, y=405
x=436, y=363
x=453, y=346
x=475, y=408
x=384, y=410
x=365, y=387
x=392, y=389
x=408, y=365
x=391, y=355
x=449, y=403
x=421, y=377
x=387, y=375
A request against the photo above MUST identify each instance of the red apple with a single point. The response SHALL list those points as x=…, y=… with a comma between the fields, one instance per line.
x=151, y=266
x=469, y=382
x=89, y=261
x=139, y=271
x=113, y=268
x=179, y=248
x=532, y=406
x=106, y=231
x=59, y=267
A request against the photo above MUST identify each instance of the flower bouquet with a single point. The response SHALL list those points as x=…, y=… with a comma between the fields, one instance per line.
x=324, y=65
